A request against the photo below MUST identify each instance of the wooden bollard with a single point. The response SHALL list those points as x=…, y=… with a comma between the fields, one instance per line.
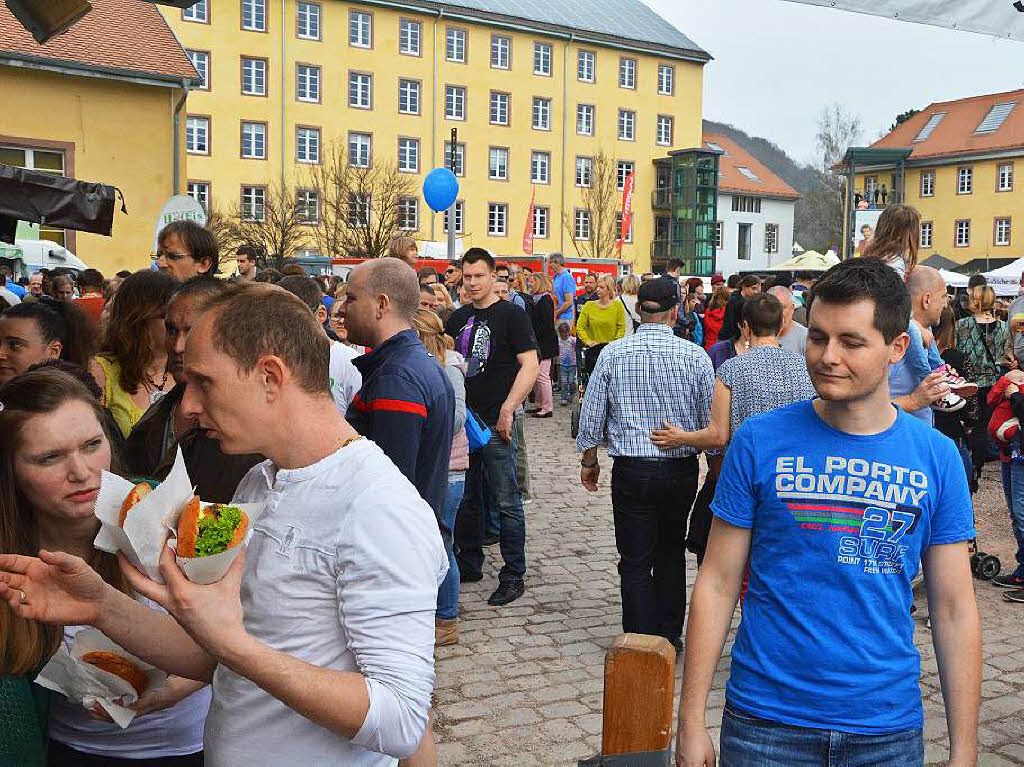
x=639, y=692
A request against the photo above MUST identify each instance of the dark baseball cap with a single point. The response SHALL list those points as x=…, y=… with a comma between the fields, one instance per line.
x=658, y=295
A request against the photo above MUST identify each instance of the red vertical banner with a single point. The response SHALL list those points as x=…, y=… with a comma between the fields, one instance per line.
x=528, y=229
x=627, y=211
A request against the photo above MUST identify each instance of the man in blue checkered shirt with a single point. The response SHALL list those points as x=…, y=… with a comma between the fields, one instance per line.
x=641, y=383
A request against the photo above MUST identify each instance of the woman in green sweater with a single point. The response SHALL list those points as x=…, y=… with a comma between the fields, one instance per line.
x=600, y=322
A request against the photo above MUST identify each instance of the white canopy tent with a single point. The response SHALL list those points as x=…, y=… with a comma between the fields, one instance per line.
x=1006, y=279
x=953, y=279
x=809, y=260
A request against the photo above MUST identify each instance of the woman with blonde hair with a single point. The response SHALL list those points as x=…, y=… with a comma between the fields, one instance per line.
x=601, y=321
x=404, y=248
x=629, y=286
x=444, y=299
x=543, y=318
x=982, y=339
x=897, y=239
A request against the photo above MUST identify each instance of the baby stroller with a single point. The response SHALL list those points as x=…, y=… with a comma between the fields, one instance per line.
x=579, y=388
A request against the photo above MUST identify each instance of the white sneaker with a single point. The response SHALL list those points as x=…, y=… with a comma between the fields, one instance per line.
x=959, y=385
x=950, y=403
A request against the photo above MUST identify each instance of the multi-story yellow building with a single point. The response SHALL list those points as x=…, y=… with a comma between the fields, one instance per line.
x=954, y=161
x=535, y=98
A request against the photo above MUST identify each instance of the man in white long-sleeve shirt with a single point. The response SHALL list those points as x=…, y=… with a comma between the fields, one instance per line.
x=319, y=640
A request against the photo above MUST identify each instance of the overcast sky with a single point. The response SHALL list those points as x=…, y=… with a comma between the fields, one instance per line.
x=778, y=63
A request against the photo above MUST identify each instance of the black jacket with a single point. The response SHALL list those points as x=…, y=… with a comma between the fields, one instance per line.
x=543, y=319
x=731, y=320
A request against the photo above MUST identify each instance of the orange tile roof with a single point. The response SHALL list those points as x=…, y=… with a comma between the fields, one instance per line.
x=117, y=36
x=955, y=135
x=732, y=179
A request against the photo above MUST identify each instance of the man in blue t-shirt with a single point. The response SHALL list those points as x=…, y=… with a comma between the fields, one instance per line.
x=834, y=502
x=565, y=288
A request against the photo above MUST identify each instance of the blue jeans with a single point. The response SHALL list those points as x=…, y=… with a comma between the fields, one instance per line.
x=568, y=382
x=749, y=741
x=1013, y=491
x=496, y=462
x=921, y=362
x=448, y=593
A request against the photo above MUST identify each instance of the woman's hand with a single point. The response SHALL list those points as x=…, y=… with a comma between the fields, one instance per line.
x=176, y=690
x=668, y=437
x=55, y=588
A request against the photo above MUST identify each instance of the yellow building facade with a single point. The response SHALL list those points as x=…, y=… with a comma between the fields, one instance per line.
x=960, y=175
x=89, y=105
x=531, y=101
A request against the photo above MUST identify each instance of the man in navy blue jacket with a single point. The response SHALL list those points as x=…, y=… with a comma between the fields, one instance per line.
x=406, y=404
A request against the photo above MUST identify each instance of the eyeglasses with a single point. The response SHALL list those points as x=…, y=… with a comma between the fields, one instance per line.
x=170, y=256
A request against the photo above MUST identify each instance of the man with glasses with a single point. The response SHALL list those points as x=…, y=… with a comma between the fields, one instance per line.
x=452, y=276
x=186, y=250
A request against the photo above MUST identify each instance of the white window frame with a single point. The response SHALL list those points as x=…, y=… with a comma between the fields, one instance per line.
x=586, y=116
x=958, y=241
x=500, y=108
x=308, y=91
x=666, y=80
x=618, y=227
x=541, y=222
x=542, y=55
x=584, y=172
x=622, y=170
x=586, y=66
x=455, y=96
x=455, y=44
x=627, y=125
x=410, y=37
x=460, y=158
x=497, y=219
x=199, y=13
x=1004, y=177
x=360, y=29
x=201, y=61
x=582, y=225
x=627, y=73
x=965, y=180
x=660, y=138
x=409, y=96
x=257, y=12
x=307, y=144
x=1002, y=231
x=927, y=233
x=358, y=80
x=359, y=211
x=719, y=235
x=403, y=219
x=408, y=154
x=200, y=192
x=501, y=52
x=460, y=218
x=927, y=184
x=540, y=167
x=360, y=149
x=303, y=199
x=497, y=163
x=257, y=75
x=253, y=206
x=254, y=140
x=541, y=109
x=194, y=126
x=307, y=21
x=771, y=238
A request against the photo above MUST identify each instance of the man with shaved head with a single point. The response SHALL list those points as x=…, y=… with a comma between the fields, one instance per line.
x=406, y=404
x=792, y=335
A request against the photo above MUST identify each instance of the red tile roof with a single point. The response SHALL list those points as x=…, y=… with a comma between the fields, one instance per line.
x=732, y=179
x=119, y=36
x=954, y=134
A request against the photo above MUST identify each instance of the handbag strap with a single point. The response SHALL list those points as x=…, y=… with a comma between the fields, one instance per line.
x=984, y=342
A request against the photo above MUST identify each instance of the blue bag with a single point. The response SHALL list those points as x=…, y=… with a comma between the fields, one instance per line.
x=477, y=431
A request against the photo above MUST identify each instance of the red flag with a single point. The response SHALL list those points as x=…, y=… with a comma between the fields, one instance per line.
x=627, y=211
x=528, y=230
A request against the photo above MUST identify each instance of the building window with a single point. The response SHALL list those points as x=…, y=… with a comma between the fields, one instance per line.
x=409, y=155
x=542, y=59
x=307, y=206
x=771, y=238
x=460, y=158
x=197, y=135
x=666, y=79
x=359, y=146
x=871, y=188
x=581, y=224
x=962, y=237
x=584, y=171
x=964, y=180
x=1004, y=177
x=360, y=29
x=618, y=227
x=497, y=166
x=199, y=12
x=455, y=102
x=408, y=214
x=926, y=234
x=307, y=21
x=622, y=170
x=200, y=192
x=254, y=203
x=254, y=77
x=201, y=61
x=541, y=217
x=497, y=219
x=307, y=145
x=927, y=184
x=455, y=45
x=360, y=90
x=254, y=141
x=307, y=86
x=541, y=113
x=585, y=119
x=410, y=35
x=540, y=167
x=1002, y=231
x=499, y=108
x=409, y=97
x=254, y=15
x=627, y=125
x=585, y=66
x=744, y=204
x=627, y=73
x=359, y=211
x=718, y=235
x=45, y=161
x=460, y=209
x=501, y=52
x=664, y=134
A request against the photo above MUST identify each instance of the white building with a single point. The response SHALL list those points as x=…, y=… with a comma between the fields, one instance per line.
x=754, y=229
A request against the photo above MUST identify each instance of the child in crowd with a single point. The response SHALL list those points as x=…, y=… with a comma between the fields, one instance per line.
x=566, y=361
x=1003, y=426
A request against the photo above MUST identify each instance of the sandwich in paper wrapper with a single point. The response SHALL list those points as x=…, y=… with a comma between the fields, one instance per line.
x=215, y=533
x=81, y=675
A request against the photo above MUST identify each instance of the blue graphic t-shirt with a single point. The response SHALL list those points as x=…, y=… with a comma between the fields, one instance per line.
x=839, y=523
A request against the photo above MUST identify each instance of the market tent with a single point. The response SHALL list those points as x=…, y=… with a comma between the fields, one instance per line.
x=953, y=280
x=940, y=262
x=1006, y=279
x=809, y=260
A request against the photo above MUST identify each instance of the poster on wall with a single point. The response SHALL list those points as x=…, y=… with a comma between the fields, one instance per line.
x=864, y=222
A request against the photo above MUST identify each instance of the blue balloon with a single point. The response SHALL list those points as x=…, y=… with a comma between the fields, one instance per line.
x=440, y=189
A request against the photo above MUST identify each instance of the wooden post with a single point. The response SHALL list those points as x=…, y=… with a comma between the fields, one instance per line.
x=639, y=692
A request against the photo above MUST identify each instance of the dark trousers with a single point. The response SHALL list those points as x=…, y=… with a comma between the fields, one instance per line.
x=651, y=499
x=701, y=516
x=60, y=755
x=979, y=437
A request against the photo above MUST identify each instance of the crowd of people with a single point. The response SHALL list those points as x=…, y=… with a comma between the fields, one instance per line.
x=380, y=421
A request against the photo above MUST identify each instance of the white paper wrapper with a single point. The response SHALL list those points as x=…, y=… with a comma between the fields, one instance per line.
x=206, y=570
x=87, y=685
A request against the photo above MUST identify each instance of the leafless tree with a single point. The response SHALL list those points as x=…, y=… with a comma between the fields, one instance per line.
x=601, y=203
x=223, y=227
x=278, y=228
x=359, y=207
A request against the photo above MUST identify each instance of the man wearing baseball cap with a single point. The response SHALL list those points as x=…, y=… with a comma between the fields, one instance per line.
x=640, y=383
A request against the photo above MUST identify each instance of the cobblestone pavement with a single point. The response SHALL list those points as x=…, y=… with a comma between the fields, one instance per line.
x=524, y=686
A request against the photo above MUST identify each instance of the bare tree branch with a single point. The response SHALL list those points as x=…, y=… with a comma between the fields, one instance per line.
x=279, y=232
x=602, y=202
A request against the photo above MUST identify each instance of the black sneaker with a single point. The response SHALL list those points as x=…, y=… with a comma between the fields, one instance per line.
x=507, y=592
x=1016, y=595
x=1008, y=581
